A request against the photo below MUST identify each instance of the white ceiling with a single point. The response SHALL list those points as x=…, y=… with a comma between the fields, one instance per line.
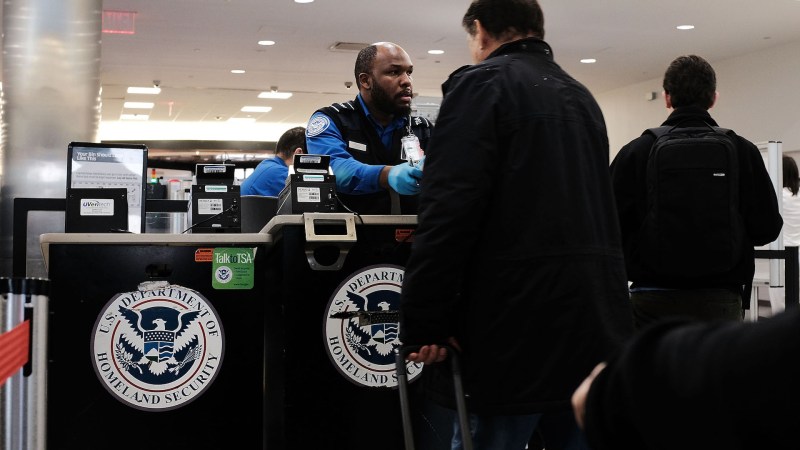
x=190, y=47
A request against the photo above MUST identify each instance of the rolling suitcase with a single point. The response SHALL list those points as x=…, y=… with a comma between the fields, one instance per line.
x=458, y=387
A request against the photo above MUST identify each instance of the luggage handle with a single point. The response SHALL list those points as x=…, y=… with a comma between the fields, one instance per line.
x=402, y=383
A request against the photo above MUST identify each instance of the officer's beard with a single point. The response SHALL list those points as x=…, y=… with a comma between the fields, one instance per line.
x=386, y=104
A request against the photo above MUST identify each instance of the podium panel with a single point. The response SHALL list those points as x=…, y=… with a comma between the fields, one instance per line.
x=337, y=278
x=158, y=342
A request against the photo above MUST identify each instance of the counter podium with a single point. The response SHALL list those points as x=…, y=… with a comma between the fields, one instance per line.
x=158, y=341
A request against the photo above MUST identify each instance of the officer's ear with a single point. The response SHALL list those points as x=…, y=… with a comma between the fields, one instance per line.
x=365, y=81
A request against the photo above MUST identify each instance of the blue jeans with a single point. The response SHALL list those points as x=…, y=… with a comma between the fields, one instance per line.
x=558, y=431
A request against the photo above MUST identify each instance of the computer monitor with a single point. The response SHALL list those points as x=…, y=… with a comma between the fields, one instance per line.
x=108, y=165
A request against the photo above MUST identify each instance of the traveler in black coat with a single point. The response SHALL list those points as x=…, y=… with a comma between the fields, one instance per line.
x=517, y=257
x=690, y=89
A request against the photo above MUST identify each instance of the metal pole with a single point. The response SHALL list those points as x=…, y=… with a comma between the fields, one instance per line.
x=792, y=278
x=12, y=390
x=775, y=169
x=37, y=292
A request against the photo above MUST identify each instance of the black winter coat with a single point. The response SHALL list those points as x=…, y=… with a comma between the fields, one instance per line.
x=689, y=386
x=517, y=252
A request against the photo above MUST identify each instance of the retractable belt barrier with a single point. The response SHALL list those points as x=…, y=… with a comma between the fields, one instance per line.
x=23, y=337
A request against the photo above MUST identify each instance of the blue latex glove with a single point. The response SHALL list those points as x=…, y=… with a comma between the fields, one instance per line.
x=404, y=179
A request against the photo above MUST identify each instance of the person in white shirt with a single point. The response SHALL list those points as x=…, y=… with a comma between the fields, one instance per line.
x=791, y=223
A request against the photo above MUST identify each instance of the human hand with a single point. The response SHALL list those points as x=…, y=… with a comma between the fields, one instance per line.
x=404, y=179
x=580, y=394
x=429, y=354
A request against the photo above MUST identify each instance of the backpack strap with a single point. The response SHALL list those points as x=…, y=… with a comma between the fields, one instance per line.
x=657, y=131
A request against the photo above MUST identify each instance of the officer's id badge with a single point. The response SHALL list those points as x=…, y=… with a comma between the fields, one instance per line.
x=410, y=149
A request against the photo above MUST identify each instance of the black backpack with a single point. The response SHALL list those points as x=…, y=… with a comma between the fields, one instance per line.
x=693, y=228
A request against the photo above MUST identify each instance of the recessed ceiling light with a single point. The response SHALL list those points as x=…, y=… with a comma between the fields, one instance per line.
x=685, y=27
x=436, y=52
x=144, y=90
x=237, y=71
x=275, y=94
x=588, y=60
x=266, y=42
x=257, y=109
x=303, y=1
x=138, y=105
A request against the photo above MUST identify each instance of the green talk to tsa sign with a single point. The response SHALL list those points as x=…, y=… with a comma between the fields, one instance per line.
x=233, y=268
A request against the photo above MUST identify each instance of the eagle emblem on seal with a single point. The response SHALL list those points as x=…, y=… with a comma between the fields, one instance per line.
x=157, y=335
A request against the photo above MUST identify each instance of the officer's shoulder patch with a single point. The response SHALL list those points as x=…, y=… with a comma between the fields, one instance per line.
x=319, y=122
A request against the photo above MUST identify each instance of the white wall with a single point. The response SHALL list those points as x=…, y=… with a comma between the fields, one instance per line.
x=759, y=98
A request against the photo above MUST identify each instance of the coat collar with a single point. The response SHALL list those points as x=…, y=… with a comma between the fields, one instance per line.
x=525, y=45
x=690, y=115
x=529, y=45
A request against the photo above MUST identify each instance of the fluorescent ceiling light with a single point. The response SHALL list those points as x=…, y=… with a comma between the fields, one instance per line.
x=685, y=27
x=275, y=94
x=266, y=42
x=588, y=60
x=303, y=1
x=242, y=119
x=257, y=109
x=134, y=117
x=144, y=90
x=138, y=105
x=237, y=71
x=435, y=52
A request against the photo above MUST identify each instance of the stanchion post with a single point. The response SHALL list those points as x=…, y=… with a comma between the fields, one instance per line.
x=37, y=293
x=22, y=396
x=792, y=279
x=11, y=392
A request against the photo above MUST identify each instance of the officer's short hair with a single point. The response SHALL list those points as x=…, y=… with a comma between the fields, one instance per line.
x=364, y=60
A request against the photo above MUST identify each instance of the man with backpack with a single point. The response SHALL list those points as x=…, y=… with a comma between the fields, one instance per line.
x=693, y=200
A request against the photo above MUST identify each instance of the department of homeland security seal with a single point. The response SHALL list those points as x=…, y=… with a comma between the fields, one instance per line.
x=157, y=348
x=361, y=327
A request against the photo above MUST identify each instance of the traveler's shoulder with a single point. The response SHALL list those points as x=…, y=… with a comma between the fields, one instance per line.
x=641, y=143
x=741, y=141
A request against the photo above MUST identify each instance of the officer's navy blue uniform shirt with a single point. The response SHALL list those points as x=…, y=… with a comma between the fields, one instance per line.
x=269, y=178
x=352, y=176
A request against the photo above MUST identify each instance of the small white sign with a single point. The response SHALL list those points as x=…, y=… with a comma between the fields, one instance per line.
x=209, y=206
x=97, y=207
x=308, y=194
